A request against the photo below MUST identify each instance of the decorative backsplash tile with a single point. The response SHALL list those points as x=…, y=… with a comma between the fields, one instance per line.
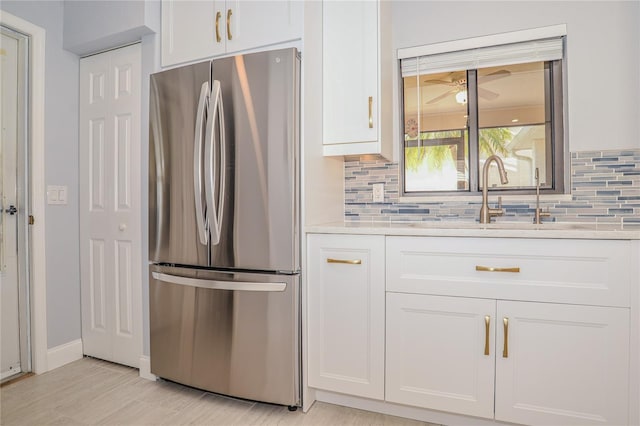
x=605, y=188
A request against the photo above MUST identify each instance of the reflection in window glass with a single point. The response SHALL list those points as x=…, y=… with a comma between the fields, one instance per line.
x=437, y=162
x=455, y=120
x=512, y=122
x=436, y=132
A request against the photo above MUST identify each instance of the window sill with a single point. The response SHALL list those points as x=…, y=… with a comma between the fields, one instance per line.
x=478, y=198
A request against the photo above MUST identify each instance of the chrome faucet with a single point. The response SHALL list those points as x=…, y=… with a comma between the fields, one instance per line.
x=486, y=213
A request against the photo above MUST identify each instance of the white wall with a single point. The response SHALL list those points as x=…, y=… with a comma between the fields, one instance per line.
x=602, y=54
x=61, y=159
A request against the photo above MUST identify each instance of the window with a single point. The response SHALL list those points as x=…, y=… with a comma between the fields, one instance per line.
x=460, y=107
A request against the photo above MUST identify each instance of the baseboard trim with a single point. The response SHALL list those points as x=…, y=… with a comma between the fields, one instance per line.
x=145, y=368
x=420, y=414
x=64, y=354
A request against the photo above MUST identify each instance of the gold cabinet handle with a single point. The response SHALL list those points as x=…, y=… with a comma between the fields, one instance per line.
x=371, y=112
x=492, y=269
x=487, y=321
x=229, y=13
x=346, y=261
x=218, y=16
x=505, y=349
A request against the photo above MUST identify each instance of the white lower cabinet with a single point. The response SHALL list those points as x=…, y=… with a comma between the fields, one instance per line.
x=440, y=354
x=562, y=364
x=345, y=278
x=537, y=332
x=559, y=364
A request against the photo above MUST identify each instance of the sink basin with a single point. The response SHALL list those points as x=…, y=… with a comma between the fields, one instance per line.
x=527, y=226
x=506, y=225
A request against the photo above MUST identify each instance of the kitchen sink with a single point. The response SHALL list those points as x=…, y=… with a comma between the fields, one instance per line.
x=510, y=225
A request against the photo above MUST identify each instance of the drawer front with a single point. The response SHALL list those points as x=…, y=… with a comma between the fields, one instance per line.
x=590, y=272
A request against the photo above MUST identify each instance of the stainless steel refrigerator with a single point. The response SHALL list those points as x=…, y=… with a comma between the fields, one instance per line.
x=224, y=243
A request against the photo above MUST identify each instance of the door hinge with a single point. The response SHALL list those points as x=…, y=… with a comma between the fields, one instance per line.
x=32, y=220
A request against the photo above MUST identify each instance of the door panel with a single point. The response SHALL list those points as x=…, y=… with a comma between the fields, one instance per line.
x=189, y=30
x=96, y=286
x=260, y=23
x=260, y=222
x=350, y=71
x=110, y=211
x=96, y=165
x=346, y=314
x=123, y=162
x=9, y=320
x=582, y=350
x=440, y=353
x=124, y=289
x=173, y=111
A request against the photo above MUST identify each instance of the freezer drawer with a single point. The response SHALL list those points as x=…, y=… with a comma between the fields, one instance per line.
x=236, y=334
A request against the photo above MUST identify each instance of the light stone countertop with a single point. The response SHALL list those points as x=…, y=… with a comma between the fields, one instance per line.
x=552, y=230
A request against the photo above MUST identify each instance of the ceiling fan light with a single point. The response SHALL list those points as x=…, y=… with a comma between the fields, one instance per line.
x=461, y=97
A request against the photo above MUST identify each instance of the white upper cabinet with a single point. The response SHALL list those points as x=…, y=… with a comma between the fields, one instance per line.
x=356, y=78
x=261, y=23
x=193, y=30
x=189, y=30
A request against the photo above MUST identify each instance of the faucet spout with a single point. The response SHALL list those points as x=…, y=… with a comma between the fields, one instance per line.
x=486, y=213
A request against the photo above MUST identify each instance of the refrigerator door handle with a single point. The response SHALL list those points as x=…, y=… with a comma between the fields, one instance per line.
x=220, y=285
x=203, y=103
x=214, y=167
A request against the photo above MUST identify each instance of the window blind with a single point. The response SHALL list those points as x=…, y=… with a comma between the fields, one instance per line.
x=492, y=56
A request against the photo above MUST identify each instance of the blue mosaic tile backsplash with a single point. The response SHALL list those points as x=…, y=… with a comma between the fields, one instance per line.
x=605, y=188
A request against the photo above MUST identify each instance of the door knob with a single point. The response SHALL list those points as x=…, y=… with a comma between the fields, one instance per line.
x=122, y=226
x=11, y=210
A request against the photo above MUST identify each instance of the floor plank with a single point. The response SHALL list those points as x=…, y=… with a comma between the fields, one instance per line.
x=95, y=392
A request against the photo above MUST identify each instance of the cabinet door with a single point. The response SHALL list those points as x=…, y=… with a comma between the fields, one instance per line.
x=564, y=364
x=440, y=353
x=189, y=30
x=345, y=276
x=261, y=23
x=350, y=73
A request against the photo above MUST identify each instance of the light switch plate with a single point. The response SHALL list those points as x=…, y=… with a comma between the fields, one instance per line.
x=56, y=194
x=378, y=192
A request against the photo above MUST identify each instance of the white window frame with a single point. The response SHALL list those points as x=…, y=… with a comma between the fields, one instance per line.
x=531, y=45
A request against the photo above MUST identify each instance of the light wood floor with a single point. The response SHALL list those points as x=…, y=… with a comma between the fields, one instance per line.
x=94, y=392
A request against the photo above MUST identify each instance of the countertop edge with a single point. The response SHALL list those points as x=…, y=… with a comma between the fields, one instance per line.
x=395, y=229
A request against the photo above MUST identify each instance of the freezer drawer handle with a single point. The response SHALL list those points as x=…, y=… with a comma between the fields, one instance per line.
x=219, y=285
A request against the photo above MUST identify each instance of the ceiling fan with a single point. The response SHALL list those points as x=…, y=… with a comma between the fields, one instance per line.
x=458, y=82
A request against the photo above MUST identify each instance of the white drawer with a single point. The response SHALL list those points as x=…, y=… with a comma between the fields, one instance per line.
x=589, y=272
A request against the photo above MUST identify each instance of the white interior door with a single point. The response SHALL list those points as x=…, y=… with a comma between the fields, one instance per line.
x=110, y=212
x=9, y=318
